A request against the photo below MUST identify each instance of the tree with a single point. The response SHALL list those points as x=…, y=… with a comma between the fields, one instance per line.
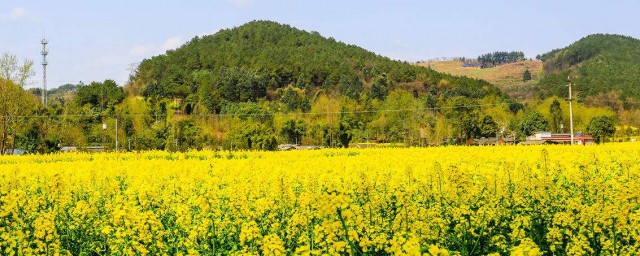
x=13, y=102
x=11, y=70
x=293, y=130
x=532, y=122
x=249, y=111
x=601, y=127
x=463, y=115
x=100, y=95
x=256, y=136
x=294, y=98
x=152, y=90
x=490, y=60
x=379, y=89
x=526, y=76
x=487, y=127
x=31, y=139
x=238, y=85
x=184, y=135
x=340, y=132
x=351, y=86
x=345, y=134
x=556, y=115
x=395, y=125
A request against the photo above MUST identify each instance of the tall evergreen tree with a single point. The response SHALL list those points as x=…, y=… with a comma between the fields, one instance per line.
x=526, y=76
x=556, y=115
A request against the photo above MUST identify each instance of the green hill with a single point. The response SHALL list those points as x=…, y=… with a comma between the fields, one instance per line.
x=253, y=61
x=600, y=66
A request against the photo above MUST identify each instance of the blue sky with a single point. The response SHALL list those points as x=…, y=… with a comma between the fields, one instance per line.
x=96, y=40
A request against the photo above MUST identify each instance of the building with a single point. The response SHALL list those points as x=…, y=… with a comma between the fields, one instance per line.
x=14, y=152
x=485, y=142
x=558, y=138
x=68, y=149
x=470, y=65
x=288, y=147
x=83, y=149
x=364, y=145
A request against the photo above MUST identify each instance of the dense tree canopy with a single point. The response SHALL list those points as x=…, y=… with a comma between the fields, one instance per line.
x=245, y=63
x=494, y=59
x=532, y=122
x=598, y=65
x=601, y=127
x=100, y=95
x=14, y=104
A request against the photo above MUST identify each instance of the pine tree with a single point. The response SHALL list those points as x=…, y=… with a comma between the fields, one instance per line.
x=556, y=115
x=526, y=76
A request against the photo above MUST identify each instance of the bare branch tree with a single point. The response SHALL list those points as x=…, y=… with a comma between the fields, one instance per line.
x=13, y=99
x=11, y=70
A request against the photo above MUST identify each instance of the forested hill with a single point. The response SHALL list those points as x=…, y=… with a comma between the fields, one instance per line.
x=601, y=66
x=252, y=61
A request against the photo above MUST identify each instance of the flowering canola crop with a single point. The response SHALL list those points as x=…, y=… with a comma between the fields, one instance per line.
x=516, y=200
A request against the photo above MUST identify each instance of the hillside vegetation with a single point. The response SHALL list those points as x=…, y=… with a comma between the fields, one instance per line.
x=507, y=77
x=265, y=83
x=498, y=58
x=604, y=68
x=248, y=62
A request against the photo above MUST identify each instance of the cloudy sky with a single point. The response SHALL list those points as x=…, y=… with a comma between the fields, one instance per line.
x=97, y=40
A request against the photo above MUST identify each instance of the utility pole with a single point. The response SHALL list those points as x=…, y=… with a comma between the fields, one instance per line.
x=104, y=129
x=570, y=110
x=44, y=53
x=104, y=125
x=116, y=134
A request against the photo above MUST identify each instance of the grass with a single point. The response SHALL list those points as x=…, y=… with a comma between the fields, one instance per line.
x=507, y=77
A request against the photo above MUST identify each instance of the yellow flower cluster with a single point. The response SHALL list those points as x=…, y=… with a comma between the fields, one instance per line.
x=514, y=200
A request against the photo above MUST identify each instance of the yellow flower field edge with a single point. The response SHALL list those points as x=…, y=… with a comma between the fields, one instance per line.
x=537, y=200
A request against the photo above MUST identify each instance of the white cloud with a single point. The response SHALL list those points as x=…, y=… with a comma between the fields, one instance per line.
x=171, y=43
x=153, y=49
x=208, y=33
x=19, y=13
x=400, y=43
x=242, y=3
x=142, y=49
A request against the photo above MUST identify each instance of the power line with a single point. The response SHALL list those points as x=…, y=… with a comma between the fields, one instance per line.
x=78, y=81
x=278, y=114
x=296, y=113
x=620, y=101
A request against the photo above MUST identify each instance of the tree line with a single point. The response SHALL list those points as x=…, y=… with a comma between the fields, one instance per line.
x=498, y=58
x=400, y=118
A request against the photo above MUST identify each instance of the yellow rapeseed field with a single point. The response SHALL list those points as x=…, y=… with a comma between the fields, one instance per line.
x=515, y=200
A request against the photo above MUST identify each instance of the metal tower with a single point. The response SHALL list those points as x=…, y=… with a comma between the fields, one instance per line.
x=44, y=70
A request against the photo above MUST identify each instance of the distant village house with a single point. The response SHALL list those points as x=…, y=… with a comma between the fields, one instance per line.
x=558, y=138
